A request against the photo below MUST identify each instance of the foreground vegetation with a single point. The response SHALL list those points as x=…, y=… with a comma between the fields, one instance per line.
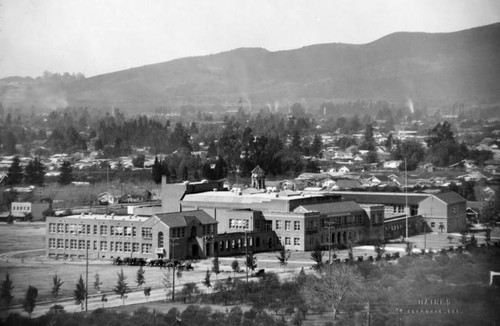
x=451, y=286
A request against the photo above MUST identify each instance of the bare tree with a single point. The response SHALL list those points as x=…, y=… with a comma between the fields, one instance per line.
x=331, y=286
x=57, y=285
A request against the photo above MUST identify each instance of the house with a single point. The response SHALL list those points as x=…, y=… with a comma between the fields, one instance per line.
x=343, y=170
x=394, y=164
x=35, y=210
x=106, y=198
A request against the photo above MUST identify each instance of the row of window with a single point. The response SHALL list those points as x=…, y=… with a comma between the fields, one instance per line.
x=239, y=224
x=21, y=208
x=74, y=244
x=87, y=229
x=342, y=221
x=288, y=241
x=288, y=225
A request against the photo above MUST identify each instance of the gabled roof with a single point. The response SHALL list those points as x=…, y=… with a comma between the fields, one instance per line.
x=450, y=197
x=258, y=171
x=180, y=219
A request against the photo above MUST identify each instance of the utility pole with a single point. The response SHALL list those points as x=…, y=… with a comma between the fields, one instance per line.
x=406, y=199
x=329, y=225
x=173, y=268
x=87, y=276
x=246, y=254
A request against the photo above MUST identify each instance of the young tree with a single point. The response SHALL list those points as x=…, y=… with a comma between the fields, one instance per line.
x=317, y=256
x=57, y=283
x=15, y=172
x=121, y=287
x=30, y=299
x=6, y=291
x=80, y=293
x=331, y=286
x=283, y=257
x=147, y=292
x=235, y=265
x=206, y=280
x=216, y=266
x=139, y=277
x=66, y=176
x=97, y=282
x=251, y=261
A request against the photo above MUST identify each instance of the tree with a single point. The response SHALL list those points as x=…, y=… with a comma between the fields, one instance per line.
x=80, y=293
x=283, y=257
x=6, y=291
x=316, y=146
x=235, y=265
x=251, y=261
x=216, y=266
x=206, y=280
x=138, y=161
x=97, y=282
x=15, y=172
x=147, y=292
x=34, y=172
x=121, y=287
x=188, y=291
x=30, y=299
x=185, y=173
x=57, y=283
x=317, y=256
x=331, y=286
x=156, y=171
x=66, y=176
x=139, y=278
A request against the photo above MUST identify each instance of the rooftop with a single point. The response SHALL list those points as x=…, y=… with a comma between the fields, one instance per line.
x=107, y=217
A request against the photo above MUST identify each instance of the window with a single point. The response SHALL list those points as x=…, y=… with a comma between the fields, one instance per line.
x=52, y=243
x=296, y=241
x=127, y=247
x=433, y=224
x=134, y=231
x=104, y=246
x=95, y=229
x=81, y=244
x=146, y=248
x=279, y=224
x=111, y=246
x=296, y=225
x=287, y=241
x=60, y=243
x=88, y=229
x=119, y=231
x=73, y=244
x=288, y=225
x=238, y=224
x=279, y=240
x=147, y=233
x=135, y=247
x=160, y=239
x=52, y=227
x=95, y=245
x=182, y=232
x=60, y=228
x=112, y=230
x=127, y=231
x=119, y=246
x=104, y=230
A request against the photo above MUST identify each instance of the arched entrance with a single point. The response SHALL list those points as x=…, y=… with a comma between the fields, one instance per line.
x=195, y=251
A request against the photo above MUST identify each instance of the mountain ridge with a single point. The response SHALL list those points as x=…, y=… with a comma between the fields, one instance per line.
x=430, y=68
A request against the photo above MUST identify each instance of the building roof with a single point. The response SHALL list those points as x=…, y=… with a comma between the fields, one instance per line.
x=450, y=197
x=340, y=207
x=107, y=217
x=180, y=219
x=383, y=197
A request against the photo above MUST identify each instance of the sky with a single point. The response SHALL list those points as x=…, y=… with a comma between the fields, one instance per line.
x=100, y=36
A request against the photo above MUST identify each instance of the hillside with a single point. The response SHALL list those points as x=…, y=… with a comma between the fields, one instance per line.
x=431, y=69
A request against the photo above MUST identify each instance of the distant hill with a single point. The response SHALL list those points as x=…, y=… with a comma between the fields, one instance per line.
x=430, y=68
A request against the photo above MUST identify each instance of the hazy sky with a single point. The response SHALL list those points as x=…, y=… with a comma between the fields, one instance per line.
x=99, y=36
